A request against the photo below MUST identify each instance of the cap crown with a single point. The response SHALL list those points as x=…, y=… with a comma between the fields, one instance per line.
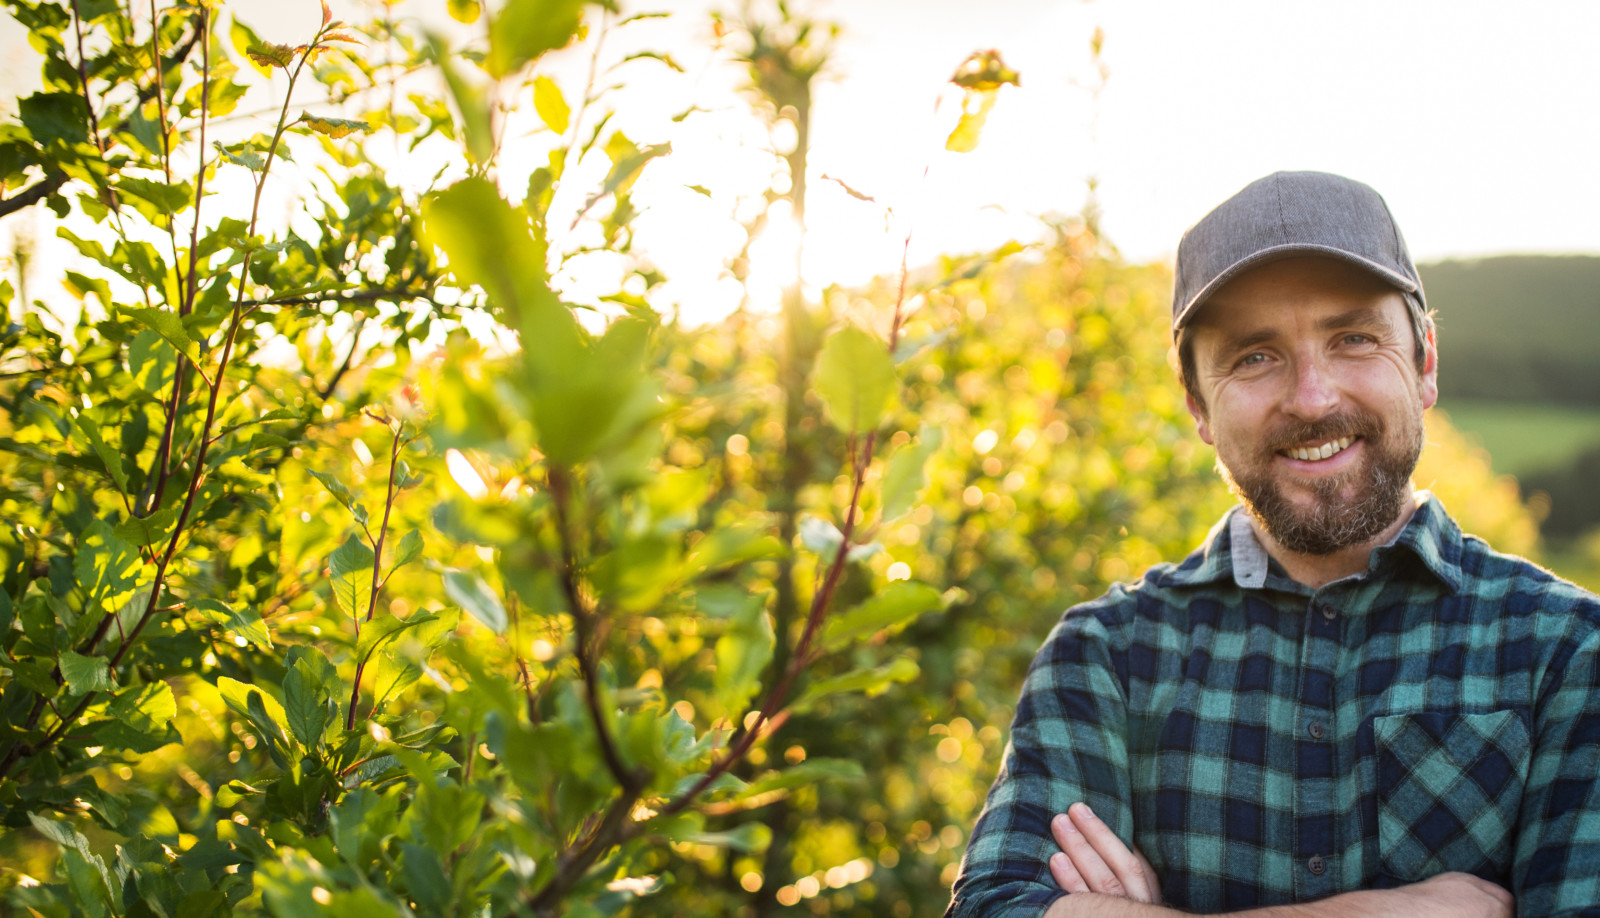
x=1284, y=215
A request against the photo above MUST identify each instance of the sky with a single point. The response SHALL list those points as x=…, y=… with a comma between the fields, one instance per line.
x=1475, y=120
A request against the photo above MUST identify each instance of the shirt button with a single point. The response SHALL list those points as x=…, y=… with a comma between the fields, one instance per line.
x=1329, y=613
x=1317, y=865
x=1315, y=729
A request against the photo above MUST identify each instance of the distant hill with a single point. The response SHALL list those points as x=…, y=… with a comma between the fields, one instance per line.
x=1518, y=327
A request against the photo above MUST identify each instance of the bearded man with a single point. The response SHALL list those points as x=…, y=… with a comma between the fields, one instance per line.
x=1339, y=705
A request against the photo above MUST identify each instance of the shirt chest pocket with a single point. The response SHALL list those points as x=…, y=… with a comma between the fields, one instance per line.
x=1449, y=789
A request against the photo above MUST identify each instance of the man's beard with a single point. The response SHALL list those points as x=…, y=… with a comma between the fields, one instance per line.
x=1336, y=520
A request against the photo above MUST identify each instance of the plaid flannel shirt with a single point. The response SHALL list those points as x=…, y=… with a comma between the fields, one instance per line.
x=1263, y=742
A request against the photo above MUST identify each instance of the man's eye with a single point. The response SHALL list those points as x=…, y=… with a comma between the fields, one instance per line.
x=1357, y=339
x=1251, y=360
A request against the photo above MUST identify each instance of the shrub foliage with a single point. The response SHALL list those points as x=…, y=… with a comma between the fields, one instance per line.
x=315, y=602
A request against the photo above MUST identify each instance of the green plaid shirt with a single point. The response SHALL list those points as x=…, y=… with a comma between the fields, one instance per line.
x=1263, y=742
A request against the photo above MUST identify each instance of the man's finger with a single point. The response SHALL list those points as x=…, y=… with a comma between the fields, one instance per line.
x=1066, y=875
x=1155, y=884
x=1088, y=863
x=1132, y=876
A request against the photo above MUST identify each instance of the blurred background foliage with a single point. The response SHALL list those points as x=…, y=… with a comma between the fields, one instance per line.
x=482, y=602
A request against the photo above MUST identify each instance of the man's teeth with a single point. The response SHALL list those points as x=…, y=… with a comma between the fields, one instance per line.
x=1321, y=452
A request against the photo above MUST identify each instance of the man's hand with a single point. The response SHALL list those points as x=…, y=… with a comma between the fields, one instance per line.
x=1094, y=859
x=1448, y=895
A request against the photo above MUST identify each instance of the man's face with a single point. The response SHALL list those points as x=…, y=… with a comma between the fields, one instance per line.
x=1313, y=400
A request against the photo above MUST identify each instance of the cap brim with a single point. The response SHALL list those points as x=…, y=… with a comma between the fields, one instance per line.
x=1277, y=253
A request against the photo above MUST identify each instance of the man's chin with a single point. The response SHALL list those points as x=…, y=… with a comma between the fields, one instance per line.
x=1328, y=516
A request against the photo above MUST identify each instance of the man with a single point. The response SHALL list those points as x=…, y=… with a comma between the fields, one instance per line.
x=1340, y=704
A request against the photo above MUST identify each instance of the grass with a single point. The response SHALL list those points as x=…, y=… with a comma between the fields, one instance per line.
x=1525, y=438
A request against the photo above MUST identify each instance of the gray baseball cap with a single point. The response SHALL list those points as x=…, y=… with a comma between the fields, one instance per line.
x=1284, y=215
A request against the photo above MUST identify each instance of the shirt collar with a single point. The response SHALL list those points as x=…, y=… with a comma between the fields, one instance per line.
x=1232, y=551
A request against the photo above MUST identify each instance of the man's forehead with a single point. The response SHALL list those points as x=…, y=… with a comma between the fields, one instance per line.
x=1273, y=292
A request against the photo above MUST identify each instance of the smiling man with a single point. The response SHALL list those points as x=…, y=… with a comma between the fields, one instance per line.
x=1339, y=705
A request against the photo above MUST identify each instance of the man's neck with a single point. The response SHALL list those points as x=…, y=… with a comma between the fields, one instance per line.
x=1316, y=571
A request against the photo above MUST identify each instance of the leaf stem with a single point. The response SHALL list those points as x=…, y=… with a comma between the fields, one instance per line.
x=632, y=781
x=377, y=570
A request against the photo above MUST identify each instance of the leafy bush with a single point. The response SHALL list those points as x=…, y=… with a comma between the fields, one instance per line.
x=745, y=606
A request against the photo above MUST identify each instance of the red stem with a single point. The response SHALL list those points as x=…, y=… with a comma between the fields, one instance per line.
x=377, y=584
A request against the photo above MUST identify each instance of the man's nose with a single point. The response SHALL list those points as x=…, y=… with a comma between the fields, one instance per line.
x=1313, y=392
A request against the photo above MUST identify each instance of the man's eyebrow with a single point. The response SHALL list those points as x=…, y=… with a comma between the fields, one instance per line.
x=1236, y=346
x=1361, y=316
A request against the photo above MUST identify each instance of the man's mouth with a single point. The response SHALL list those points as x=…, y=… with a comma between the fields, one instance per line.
x=1323, y=451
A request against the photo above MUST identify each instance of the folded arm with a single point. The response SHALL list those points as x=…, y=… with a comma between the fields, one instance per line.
x=1111, y=880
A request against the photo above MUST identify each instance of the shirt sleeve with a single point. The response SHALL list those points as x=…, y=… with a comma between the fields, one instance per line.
x=1558, y=849
x=1068, y=744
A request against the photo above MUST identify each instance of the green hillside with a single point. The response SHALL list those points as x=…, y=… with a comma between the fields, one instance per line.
x=1520, y=328
x=1526, y=439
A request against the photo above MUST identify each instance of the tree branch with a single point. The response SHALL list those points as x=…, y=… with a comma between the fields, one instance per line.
x=54, y=178
x=377, y=568
x=631, y=780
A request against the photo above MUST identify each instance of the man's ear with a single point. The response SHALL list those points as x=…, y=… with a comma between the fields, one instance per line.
x=1203, y=425
x=1430, y=370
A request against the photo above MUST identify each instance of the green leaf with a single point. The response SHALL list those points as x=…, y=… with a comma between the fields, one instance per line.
x=907, y=474
x=751, y=836
x=305, y=703
x=472, y=102
x=245, y=622
x=743, y=651
x=464, y=11
x=261, y=709
x=721, y=600
x=739, y=542
x=86, y=674
x=249, y=159
x=270, y=54
x=151, y=360
x=148, y=530
x=471, y=593
x=605, y=401
x=394, y=672
x=167, y=325
x=425, y=878
x=525, y=29
x=551, y=104
x=381, y=631
x=89, y=881
x=164, y=199
x=893, y=608
x=111, y=458
x=872, y=682
x=719, y=784
x=55, y=116
x=410, y=550
x=60, y=833
x=811, y=771
x=350, y=569
x=855, y=377
x=627, y=162
x=146, y=708
x=244, y=38
x=489, y=244
x=332, y=127
x=341, y=494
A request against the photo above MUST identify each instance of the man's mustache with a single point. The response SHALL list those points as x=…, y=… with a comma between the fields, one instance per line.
x=1350, y=424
